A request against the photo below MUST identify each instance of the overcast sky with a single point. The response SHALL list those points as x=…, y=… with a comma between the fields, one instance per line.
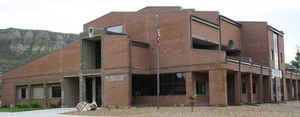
x=68, y=16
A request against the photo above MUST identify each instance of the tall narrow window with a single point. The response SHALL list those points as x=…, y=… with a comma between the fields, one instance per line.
x=254, y=88
x=244, y=88
x=55, y=92
x=201, y=88
x=276, y=62
x=22, y=93
x=281, y=58
x=272, y=56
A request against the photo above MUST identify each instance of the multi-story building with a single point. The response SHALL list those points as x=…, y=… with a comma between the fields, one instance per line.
x=202, y=53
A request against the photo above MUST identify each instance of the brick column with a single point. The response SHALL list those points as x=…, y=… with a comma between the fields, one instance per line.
x=269, y=91
x=285, y=88
x=218, y=87
x=260, y=89
x=28, y=95
x=237, y=88
x=45, y=95
x=291, y=88
x=62, y=92
x=189, y=86
x=250, y=88
x=296, y=90
x=81, y=88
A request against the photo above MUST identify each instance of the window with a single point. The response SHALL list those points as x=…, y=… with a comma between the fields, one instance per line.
x=201, y=88
x=281, y=57
x=272, y=54
x=244, y=88
x=22, y=93
x=203, y=44
x=115, y=29
x=254, y=88
x=276, y=61
x=55, y=92
x=170, y=84
x=38, y=93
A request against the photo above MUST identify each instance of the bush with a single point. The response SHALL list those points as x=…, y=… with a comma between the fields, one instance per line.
x=4, y=106
x=22, y=106
x=53, y=106
x=35, y=104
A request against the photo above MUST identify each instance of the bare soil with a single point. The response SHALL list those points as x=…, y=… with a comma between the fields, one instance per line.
x=289, y=109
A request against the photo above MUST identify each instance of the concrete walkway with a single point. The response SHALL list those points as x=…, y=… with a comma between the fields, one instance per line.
x=40, y=113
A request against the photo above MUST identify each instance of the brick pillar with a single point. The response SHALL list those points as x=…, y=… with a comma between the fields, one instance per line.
x=218, y=87
x=29, y=92
x=45, y=95
x=81, y=88
x=260, y=89
x=250, y=88
x=189, y=86
x=285, y=88
x=269, y=90
x=296, y=90
x=237, y=88
x=291, y=88
x=62, y=92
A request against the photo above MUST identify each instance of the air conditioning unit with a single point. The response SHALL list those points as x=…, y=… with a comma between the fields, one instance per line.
x=91, y=31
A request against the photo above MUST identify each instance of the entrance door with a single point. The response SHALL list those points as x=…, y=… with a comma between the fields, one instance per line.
x=230, y=88
x=89, y=90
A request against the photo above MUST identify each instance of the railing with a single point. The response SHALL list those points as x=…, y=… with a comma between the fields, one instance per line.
x=245, y=60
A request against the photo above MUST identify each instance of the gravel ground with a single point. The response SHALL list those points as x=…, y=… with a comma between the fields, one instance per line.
x=289, y=109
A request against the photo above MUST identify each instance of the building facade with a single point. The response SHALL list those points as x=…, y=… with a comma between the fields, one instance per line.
x=202, y=53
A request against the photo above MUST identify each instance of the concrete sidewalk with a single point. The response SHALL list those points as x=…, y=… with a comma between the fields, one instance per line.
x=40, y=113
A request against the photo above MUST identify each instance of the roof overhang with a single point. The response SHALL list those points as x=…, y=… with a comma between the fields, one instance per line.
x=275, y=30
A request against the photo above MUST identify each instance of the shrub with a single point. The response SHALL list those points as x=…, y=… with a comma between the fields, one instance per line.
x=18, y=105
x=53, y=106
x=25, y=106
x=22, y=106
x=4, y=106
x=35, y=104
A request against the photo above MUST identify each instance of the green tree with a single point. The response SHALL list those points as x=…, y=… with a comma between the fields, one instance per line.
x=296, y=63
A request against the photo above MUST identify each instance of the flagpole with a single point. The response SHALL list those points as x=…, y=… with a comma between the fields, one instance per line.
x=157, y=52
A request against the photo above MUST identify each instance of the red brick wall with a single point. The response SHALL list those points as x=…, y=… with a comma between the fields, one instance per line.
x=206, y=32
x=115, y=52
x=175, y=39
x=211, y=16
x=117, y=92
x=63, y=60
x=230, y=32
x=254, y=41
x=43, y=68
x=218, y=87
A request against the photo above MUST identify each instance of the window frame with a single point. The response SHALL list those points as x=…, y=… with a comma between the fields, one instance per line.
x=51, y=91
x=198, y=92
x=20, y=93
x=244, y=88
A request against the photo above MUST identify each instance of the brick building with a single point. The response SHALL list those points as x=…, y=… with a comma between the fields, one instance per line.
x=202, y=53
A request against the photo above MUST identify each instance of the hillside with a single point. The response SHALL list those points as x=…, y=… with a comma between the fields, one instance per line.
x=19, y=46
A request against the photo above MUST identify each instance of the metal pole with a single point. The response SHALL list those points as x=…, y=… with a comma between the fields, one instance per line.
x=157, y=52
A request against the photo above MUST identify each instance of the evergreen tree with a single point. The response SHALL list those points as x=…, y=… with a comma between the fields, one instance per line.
x=296, y=63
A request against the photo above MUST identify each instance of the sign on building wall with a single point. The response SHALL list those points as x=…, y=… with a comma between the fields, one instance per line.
x=276, y=73
x=114, y=78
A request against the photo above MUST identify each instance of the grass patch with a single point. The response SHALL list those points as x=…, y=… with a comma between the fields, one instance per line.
x=17, y=109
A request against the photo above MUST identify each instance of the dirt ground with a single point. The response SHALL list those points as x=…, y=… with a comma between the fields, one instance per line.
x=289, y=109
